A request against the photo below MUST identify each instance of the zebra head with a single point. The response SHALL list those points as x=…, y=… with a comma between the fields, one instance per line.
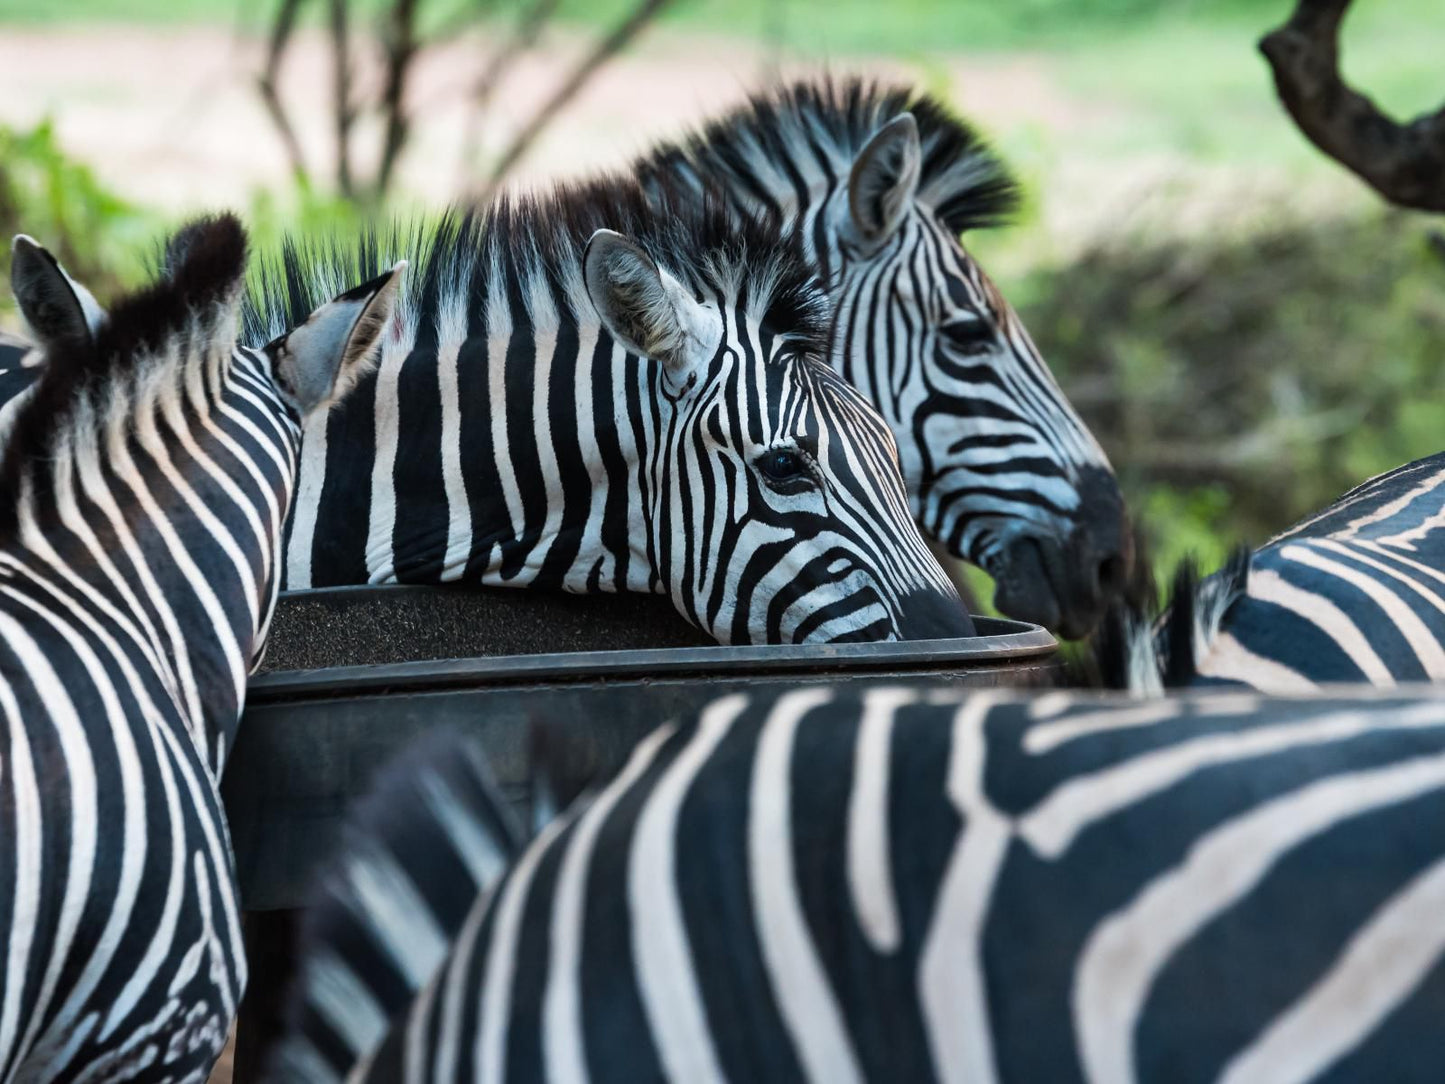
x=1000, y=468
x=879, y=185
x=777, y=511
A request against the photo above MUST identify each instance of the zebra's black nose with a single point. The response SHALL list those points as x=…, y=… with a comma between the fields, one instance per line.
x=933, y=615
x=1096, y=558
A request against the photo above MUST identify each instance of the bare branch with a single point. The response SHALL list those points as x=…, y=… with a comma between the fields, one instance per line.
x=529, y=28
x=1403, y=163
x=606, y=49
x=401, y=45
x=523, y=36
x=270, y=96
x=344, y=112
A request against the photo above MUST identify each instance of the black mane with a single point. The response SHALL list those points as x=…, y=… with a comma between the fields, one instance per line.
x=822, y=124
x=1141, y=650
x=700, y=239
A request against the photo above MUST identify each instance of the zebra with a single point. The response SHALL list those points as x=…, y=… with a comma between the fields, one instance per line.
x=878, y=183
x=564, y=407
x=142, y=491
x=59, y=304
x=1353, y=593
x=913, y=883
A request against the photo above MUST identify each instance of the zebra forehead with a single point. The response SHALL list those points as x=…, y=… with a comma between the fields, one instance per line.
x=812, y=130
x=522, y=244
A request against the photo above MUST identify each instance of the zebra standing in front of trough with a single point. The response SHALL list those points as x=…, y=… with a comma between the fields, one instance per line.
x=914, y=884
x=145, y=480
x=648, y=413
x=1353, y=593
x=878, y=183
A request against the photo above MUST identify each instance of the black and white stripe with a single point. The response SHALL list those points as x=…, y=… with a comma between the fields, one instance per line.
x=142, y=493
x=918, y=884
x=646, y=412
x=878, y=183
x=1354, y=593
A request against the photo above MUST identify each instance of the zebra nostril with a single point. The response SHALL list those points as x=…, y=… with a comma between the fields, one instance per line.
x=1112, y=576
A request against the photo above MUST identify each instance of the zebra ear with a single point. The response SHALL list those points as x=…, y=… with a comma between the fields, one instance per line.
x=53, y=304
x=320, y=361
x=884, y=181
x=647, y=310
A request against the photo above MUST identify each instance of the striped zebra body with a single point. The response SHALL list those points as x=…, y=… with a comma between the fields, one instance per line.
x=878, y=183
x=1355, y=593
x=919, y=884
x=18, y=370
x=533, y=424
x=145, y=482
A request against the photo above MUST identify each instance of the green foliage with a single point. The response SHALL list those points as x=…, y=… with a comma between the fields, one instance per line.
x=1241, y=383
x=59, y=202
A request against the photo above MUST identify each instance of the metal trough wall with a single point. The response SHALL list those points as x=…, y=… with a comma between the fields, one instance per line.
x=312, y=740
x=355, y=674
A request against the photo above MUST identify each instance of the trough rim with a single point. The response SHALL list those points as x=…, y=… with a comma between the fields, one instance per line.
x=1000, y=639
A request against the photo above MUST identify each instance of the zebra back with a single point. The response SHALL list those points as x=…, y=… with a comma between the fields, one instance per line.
x=918, y=884
x=1353, y=593
x=384, y=914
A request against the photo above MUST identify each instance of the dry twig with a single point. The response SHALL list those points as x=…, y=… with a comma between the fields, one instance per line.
x=401, y=46
x=605, y=50
x=270, y=95
x=344, y=112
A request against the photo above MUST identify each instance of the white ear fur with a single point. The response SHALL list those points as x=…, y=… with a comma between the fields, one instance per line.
x=320, y=361
x=647, y=310
x=883, y=181
x=53, y=303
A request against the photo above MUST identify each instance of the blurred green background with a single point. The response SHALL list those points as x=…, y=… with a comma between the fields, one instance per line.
x=1246, y=328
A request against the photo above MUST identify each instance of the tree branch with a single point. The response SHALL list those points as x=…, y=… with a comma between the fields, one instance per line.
x=606, y=49
x=270, y=95
x=524, y=35
x=1403, y=163
x=344, y=110
x=401, y=49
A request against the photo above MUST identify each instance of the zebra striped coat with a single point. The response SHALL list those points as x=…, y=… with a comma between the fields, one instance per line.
x=1354, y=593
x=646, y=414
x=144, y=485
x=878, y=183
x=919, y=884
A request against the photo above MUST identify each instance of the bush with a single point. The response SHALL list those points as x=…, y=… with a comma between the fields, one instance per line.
x=1241, y=383
x=98, y=236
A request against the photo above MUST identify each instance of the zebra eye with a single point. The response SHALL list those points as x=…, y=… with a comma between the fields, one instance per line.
x=782, y=466
x=972, y=336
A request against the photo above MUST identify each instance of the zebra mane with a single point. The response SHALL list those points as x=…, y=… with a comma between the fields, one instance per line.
x=1147, y=657
x=809, y=133
x=152, y=338
x=528, y=250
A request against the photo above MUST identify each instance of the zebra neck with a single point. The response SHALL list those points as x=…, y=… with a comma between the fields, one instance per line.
x=147, y=558
x=511, y=448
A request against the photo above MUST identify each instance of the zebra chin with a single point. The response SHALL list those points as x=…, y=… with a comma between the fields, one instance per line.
x=861, y=615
